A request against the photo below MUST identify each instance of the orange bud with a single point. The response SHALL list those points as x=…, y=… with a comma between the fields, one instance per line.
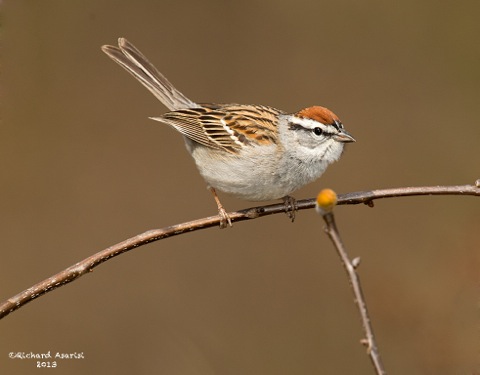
x=326, y=200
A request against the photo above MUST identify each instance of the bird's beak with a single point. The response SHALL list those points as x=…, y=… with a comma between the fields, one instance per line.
x=344, y=136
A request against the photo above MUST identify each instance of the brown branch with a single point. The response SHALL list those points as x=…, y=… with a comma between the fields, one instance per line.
x=87, y=265
x=350, y=268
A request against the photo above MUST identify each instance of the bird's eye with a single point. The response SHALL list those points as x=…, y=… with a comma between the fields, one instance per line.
x=318, y=131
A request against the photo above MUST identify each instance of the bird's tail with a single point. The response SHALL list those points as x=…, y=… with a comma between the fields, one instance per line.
x=133, y=61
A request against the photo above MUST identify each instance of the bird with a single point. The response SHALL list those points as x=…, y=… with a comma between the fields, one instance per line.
x=250, y=151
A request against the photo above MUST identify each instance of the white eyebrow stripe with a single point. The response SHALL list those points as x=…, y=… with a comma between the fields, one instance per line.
x=308, y=123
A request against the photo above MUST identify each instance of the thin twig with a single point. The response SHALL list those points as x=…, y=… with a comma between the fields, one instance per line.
x=87, y=265
x=350, y=267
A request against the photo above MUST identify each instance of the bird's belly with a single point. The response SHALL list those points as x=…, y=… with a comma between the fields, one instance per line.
x=256, y=177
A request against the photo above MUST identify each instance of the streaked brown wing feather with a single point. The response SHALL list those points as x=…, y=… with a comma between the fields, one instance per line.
x=187, y=123
x=225, y=126
x=254, y=123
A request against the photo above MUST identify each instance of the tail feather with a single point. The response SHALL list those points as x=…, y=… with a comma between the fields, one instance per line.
x=134, y=62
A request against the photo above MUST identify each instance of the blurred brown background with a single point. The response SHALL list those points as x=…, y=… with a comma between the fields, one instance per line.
x=83, y=168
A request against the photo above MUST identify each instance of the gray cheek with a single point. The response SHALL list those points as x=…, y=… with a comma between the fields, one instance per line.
x=311, y=141
x=333, y=151
x=303, y=139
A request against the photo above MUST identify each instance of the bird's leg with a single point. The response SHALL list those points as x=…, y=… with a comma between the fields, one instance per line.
x=224, y=218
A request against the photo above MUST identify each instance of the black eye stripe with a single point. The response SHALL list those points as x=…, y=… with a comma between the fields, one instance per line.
x=293, y=126
x=317, y=130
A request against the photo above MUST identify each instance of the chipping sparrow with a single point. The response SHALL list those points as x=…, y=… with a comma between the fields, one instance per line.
x=253, y=152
